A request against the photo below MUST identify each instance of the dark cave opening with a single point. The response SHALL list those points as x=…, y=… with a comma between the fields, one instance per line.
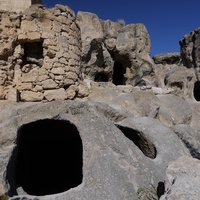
x=118, y=74
x=196, y=90
x=48, y=157
x=101, y=77
x=36, y=2
x=147, y=148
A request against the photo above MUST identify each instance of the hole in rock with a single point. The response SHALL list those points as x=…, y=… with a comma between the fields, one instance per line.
x=196, y=90
x=160, y=189
x=101, y=77
x=178, y=85
x=140, y=141
x=33, y=53
x=48, y=157
x=118, y=74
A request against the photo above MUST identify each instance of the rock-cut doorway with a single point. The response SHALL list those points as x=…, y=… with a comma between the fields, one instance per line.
x=118, y=74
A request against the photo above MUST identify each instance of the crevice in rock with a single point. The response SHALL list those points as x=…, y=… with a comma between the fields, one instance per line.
x=196, y=90
x=147, y=148
x=47, y=158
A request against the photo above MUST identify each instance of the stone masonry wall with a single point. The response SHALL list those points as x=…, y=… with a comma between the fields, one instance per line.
x=40, y=55
x=14, y=5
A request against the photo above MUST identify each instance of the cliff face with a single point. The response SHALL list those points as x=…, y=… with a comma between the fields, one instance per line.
x=114, y=52
x=190, y=52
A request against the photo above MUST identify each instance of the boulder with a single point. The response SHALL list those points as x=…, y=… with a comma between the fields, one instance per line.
x=111, y=159
x=167, y=58
x=190, y=137
x=182, y=179
x=180, y=80
x=139, y=103
x=174, y=110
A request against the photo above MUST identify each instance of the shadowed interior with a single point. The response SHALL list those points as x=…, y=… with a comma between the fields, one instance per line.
x=140, y=141
x=49, y=157
x=196, y=90
x=118, y=74
x=101, y=77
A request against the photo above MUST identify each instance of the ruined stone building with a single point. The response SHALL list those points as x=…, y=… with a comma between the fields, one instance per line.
x=40, y=55
x=17, y=5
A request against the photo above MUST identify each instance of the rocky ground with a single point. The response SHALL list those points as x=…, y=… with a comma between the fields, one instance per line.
x=132, y=135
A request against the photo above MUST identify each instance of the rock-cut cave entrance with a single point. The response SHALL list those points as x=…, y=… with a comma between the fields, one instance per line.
x=196, y=90
x=48, y=157
x=118, y=74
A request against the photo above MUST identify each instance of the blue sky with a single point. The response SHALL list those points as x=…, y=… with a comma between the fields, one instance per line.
x=167, y=21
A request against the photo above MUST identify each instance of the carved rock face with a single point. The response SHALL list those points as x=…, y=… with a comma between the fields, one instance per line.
x=190, y=51
x=110, y=48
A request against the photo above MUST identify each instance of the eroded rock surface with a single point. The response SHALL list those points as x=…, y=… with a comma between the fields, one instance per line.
x=113, y=52
x=168, y=58
x=118, y=156
x=190, y=50
x=182, y=179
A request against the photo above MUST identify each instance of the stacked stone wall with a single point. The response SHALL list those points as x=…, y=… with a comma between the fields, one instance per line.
x=40, y=55
x=14, y=5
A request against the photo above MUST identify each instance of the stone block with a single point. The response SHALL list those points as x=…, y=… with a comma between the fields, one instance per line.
x=59, y=94
x=31, y=96
x=49, y=84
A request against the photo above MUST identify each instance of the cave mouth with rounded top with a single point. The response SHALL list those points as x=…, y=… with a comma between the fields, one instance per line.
x=118, y=73
x=196, y=90
x=48, y=158
x=146, y=146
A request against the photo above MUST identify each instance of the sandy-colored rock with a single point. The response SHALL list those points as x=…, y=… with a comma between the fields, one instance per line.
x=121, y=55
x=49, y=84
x=31, y=96
x=59, y=94
x=18, y=6
x=38, y=48
x=181, y=81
